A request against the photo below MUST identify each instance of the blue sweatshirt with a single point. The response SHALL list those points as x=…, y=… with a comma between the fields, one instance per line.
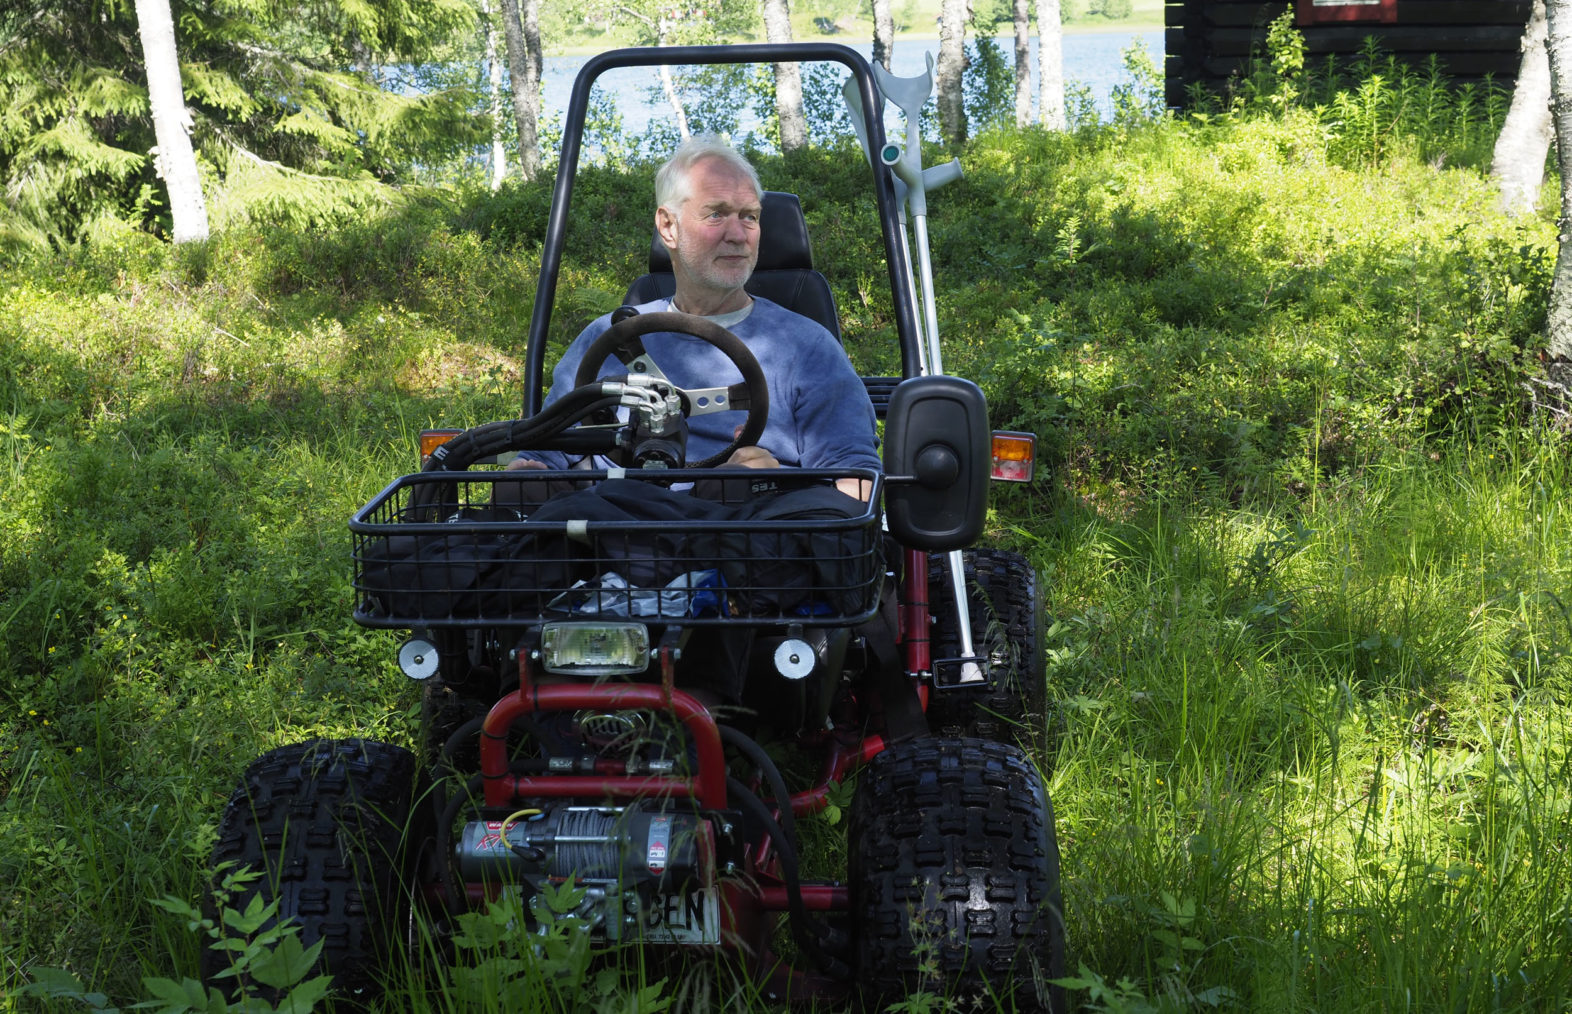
x=820, y=415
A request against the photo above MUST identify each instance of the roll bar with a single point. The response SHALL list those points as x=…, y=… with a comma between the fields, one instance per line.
x=573, y=134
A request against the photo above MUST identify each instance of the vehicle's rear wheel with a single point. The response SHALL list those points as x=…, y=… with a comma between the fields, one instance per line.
x=955, y=877
x=325, y=822
x=1006, y=624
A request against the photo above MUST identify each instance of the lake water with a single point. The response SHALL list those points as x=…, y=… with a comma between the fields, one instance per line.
x=1090, y=58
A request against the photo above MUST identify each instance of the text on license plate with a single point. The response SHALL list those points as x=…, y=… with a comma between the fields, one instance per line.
x=688, y=917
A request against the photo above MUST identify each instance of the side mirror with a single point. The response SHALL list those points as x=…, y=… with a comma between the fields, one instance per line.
x=936, y=463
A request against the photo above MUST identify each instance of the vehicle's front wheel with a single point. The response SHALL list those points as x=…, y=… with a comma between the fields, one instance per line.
x=324, y=823
x=955, y=877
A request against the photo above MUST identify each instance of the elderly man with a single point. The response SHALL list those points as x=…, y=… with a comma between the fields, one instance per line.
x=707, y=215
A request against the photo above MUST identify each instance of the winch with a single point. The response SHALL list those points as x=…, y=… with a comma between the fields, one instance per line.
x=627, y=845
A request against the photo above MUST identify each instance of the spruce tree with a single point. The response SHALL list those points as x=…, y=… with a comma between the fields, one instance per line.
x=297, y=109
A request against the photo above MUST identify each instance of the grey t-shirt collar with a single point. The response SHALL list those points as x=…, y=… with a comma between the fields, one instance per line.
x=725, y=320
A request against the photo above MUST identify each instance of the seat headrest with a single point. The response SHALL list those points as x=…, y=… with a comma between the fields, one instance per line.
x=783, y=237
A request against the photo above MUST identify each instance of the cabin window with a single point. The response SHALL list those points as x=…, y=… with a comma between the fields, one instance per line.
x=1321, y=12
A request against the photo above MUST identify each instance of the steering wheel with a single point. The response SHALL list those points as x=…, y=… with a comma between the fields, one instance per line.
x=625, y=340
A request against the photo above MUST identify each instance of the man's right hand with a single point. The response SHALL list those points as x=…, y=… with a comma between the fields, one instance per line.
x=521, y=462
x=753, y=456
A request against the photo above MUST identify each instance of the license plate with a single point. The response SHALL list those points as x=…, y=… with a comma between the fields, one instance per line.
x=689, y=917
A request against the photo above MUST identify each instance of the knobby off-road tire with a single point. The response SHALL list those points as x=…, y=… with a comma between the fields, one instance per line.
x=955, y=866
x=1006, y=622
x=324, y=822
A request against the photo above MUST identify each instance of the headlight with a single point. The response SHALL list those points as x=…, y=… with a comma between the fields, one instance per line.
x=595, y=649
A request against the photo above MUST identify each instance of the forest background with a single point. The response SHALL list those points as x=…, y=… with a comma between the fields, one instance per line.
x=1301, y=525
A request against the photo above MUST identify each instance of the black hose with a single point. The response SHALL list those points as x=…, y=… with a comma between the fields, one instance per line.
x=549, y=741
x=772, y=774
x=457, y=454
x=450, y=811
x=451, y=744
x=802, y=930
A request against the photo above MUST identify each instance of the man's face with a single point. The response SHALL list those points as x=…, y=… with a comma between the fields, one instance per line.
x=714, y=235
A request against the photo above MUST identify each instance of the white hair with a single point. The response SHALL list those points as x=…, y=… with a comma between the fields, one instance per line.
x=671, y=180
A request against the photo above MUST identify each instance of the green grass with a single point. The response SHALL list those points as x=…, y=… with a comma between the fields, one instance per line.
x=1336, y=730
x=1301, y=537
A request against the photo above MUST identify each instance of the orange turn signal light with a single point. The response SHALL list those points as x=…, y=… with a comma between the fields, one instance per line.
x=430, y=440
x=1014, y=456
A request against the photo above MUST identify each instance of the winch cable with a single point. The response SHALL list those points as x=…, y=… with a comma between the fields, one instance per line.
x=803, y=929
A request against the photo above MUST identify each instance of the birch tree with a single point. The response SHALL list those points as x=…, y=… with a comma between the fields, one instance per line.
x=660, y=23
x=883, y=33
x=521, y=32
x=659, y=26
x=1022, y=11
x=175, y=159
x=1518, y=166
x=788, y=79
x=499, y=154
x=951, y=69
x=1050, y=66
x=1558, y=19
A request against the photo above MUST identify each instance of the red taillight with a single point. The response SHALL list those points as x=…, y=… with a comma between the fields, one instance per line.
x=1014, y=456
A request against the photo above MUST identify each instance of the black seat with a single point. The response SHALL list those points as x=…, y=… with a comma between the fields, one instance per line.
x=784, y=273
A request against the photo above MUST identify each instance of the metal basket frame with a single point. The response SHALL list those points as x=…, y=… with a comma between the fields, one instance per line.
x=459, y=549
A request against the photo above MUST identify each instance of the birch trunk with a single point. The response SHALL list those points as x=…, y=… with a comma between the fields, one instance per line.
x=788, y=79
x=1558, y=17
x=1023, y=62
x=1050, y=66
x=1518, y=166
x=499, y=153
x=669, y=86
x=524, y=79
x=175, y=160
x=534, y=66
x=883, y=33
x=951, y=68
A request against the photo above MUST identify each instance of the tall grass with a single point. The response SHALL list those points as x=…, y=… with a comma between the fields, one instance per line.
x=1333, y=732
x=1301, y=539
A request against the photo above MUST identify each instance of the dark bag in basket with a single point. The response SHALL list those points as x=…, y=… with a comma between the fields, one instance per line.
x=644, y=553
x=807, y=572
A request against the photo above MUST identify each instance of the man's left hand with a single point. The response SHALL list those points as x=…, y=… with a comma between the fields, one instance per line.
x=753, y=457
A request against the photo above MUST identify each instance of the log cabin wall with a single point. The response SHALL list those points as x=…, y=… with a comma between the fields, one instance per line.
x=1211, y=42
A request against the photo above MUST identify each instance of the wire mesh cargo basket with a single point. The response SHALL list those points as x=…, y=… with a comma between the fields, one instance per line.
x=480, y=549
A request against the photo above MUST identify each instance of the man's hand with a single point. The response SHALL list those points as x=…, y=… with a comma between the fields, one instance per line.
x=758, y=457
x=753, y=457
x=519, y=463
x=860, y=489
